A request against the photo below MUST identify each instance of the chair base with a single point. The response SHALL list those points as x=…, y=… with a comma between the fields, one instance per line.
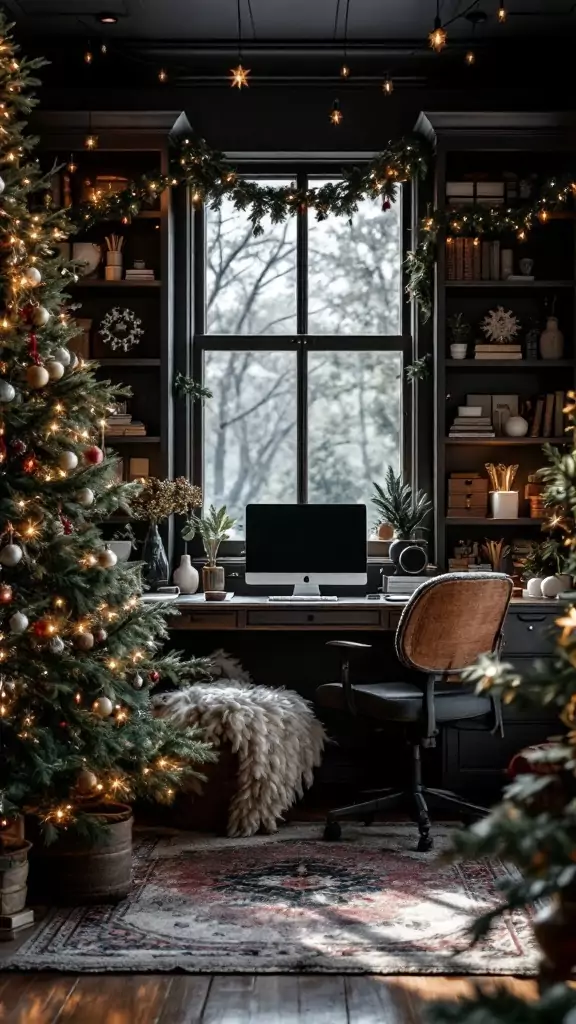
x=414, y=799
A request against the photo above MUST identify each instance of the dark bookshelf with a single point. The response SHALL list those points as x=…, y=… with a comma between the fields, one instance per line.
x=99, y=282
x=507, y=285
x=509, y=364
x=495, y=442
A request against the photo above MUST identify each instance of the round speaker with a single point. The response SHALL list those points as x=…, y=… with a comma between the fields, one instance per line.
x=413, y=560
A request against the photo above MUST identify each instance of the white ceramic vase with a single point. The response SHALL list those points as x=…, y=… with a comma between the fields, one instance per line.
x=516, y=426
x=186, y=576
x=504, y=504
x=458, y=350
x=554, y=585
x=534, y=586
x=551, y=340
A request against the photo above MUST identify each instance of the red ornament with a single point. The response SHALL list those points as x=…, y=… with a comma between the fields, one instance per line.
x=154, y=676
x=386, y=204
x=5, y=593
x=66, y=525
x=94, y=455
x=43, y=627
x=29, y=464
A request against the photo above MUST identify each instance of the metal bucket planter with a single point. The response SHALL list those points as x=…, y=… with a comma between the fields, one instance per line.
x=13, y=875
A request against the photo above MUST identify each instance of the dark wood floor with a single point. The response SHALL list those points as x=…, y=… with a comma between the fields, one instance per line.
x=228, y=999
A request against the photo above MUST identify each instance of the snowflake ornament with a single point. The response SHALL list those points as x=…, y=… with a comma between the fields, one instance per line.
x=500, y=325
x=121, y=329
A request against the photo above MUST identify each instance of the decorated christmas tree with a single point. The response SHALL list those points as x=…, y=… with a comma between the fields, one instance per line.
x=534, y=827
x=78, y=646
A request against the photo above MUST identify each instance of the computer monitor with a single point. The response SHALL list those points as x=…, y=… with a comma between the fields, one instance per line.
x=306, y=545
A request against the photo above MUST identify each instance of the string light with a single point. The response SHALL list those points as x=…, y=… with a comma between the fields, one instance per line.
x=91, y=142
x=344, y=71
x=387, y=86
x=438, y=37
x=239, y=77
x=88, y=56
x=336, y=113
x=470, y=57
x=502, y=14
x=162, y=75
x=103, y=49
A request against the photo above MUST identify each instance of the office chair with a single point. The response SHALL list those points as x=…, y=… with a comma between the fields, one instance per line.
x=446, y=624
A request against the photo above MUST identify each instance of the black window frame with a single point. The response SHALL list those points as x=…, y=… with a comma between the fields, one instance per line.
x=300, y=341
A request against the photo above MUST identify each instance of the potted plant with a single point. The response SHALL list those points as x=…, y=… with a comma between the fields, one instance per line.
x=157, y=500
x=403, y=510
x=213, y=528
x=544, y=563
x=459, y=332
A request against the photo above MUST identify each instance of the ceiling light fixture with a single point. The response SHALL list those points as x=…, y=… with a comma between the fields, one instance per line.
x=438, y=37
x=239, y=74
x=107, y=18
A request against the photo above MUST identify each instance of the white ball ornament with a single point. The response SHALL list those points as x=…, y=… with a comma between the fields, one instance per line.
x=2, y=185
x=10, y=555
x=33, y=276
x=85, y=497
x=18, y=622
x=67, y=461
x=73, y=360
x=7, y=392
x=40, y=316
x=103, y=707
x=62, y=355
x=56, y=645
x=516, y=426
x=554, y=585
x=107, y=559
x=86, y=782
x=37, y=376
x=55, y=369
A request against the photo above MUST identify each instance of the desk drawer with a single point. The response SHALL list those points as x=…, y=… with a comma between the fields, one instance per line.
x=301, y=617
x=205, y=620
x=528, y=633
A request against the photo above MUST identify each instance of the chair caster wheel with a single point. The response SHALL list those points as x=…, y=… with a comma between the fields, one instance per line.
x=332, y=831
x=425, y=843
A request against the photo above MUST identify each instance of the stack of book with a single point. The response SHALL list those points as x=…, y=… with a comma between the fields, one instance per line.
x=534, y=494
x=121, y=424
x=140, y=275
x=548, y=419
x=482, y=351
x=472, y=426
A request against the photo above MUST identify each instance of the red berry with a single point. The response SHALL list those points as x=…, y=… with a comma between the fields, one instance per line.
x=154, y=676
x=94, y=455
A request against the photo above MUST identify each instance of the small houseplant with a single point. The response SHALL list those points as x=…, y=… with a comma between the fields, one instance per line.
x=212, y=528
x=459, y=333
x=157, y=500
x=404, y=510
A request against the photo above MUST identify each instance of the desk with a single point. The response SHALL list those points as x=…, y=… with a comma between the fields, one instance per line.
x=282, y=645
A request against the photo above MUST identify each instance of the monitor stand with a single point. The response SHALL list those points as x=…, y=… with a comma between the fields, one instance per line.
x=306, y=590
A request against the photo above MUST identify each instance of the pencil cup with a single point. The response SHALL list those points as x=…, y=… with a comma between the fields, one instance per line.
x=504, y=504
x=113, y=273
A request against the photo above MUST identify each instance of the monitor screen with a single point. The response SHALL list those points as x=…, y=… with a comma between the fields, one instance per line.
x=293, y=540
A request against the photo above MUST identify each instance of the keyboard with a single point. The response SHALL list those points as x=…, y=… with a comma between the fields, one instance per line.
x=300, y=600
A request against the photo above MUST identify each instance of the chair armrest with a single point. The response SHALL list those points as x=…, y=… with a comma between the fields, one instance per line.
x=352, y=644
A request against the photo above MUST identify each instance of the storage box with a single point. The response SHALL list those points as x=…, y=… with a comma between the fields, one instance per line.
x=477, y=486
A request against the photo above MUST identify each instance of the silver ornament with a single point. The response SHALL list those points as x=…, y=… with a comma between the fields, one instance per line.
x=10, y=555
x=103, y=707
x=137, y=682
x=62, y=355
x=18, y=622
x=7, y=392
x=2, y=185
x=40, y=316
x=85, y=497
x=37, y=376
x=56, y=645
x=32, y=276
x=86, y=782
x=55, y=369
x=107, y=559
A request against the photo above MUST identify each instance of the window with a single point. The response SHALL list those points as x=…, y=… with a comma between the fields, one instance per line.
x=300, y=341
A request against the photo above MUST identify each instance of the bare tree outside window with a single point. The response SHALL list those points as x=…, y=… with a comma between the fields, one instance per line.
x=353, y=396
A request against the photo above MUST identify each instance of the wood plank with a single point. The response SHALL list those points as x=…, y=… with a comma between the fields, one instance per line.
x=371, y=999
x=185, y=1000
x=421, y=990
x=229, y=1000
x=322, y=999
x=265, y=999
x=98, y=998
x=37, y=998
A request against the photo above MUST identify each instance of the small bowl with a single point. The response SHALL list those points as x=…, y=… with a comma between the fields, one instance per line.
x=215, y=595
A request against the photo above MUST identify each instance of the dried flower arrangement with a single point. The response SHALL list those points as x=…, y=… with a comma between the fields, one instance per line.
x=159, y=499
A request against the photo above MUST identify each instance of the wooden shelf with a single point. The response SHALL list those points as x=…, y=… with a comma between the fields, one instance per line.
x=489, y=521
x=508, y=364
x=498, y=285
x=489, y=442
x=130, y=439
x=143, y=363
x=98, y=282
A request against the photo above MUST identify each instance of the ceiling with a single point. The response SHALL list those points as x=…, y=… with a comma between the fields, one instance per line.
x=198, y=22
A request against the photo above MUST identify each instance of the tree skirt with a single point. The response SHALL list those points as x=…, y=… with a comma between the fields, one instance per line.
x=290, y=903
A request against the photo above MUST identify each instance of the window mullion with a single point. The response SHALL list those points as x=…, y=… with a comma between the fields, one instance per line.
x=302, y=355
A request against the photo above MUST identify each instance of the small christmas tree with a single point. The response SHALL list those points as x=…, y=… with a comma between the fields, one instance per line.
x=534, y=827
x=77, y=646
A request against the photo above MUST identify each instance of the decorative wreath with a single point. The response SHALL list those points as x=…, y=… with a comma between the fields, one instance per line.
x=121, y=329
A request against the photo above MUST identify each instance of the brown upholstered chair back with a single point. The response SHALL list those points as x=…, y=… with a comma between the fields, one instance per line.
x=450, y=620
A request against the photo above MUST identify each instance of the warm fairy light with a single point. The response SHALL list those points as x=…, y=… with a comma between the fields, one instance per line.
x=336, y=113
x=502, y=14
x=91, y=142
x=121, y=715
x=387, y=86
x=169, y=792
x=78, y=697
x=88, y=561
x=470, y=57
x=162, y=75
x=543, y=216
x=344, y=71
x=103, y=49
x=521, y=236
x=239, y=77
x=53, y=428
x=59, y=408
x=59, y=602
x=568, y=623
x=112, y=664
x=137, y=656
x=5, y=324
x=31, y=530
x=438, y=37
x=88, y=56
x=196, y=197
x=71, y=166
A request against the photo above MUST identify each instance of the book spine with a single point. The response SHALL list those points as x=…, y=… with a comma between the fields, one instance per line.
x=494, y=261
x=468, y=259
x=485, y=261
x=537, y=421
x=559, y=414
x=548, y=415
x=459, y=247
x=450, y=260
x=477, y=260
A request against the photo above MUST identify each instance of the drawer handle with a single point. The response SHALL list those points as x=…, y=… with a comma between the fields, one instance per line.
x=531, y=618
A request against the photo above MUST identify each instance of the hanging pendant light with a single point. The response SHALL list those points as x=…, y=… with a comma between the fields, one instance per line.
x=438, y=37
x=239, y=74
x=336, y=113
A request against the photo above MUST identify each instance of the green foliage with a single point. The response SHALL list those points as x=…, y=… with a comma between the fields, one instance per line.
x=212, y=527
x=399, y=506
x=544, y=559
x=459, y=328
x=87, y=635
x=187, y=386
x=557, y=1005
x=419, y=369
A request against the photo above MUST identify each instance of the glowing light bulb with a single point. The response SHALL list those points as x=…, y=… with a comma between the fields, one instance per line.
x=344, y=71
x=239, y=77
x=387, y=86
x=91, y=142
x=438, y=37
x=336, y=113
x=470, y=57
x=162, y=75
x=502, y=14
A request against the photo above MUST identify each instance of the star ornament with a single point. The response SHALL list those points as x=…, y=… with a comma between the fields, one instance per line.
x=239, y=77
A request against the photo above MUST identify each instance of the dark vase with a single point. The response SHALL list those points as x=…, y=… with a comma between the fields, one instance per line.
x=153, y=554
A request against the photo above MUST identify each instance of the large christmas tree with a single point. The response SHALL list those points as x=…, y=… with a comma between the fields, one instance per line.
x=77, y=645
x=534, y=827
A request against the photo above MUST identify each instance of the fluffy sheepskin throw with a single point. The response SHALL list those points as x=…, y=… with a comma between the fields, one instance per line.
x=278, y=740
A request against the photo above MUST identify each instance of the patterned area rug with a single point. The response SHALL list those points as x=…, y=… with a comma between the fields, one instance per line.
x=289, y=903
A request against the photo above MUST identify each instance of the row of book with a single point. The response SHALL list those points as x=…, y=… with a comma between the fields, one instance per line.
x=547, y=417
x=472, y=259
